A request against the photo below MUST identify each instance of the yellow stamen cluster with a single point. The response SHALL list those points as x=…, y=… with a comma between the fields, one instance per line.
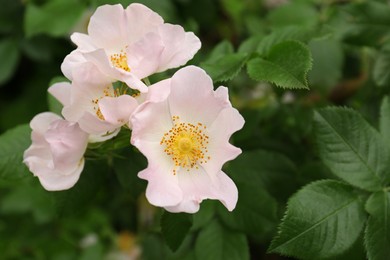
x=186, y=143
x=119, y=60
x=107, y=92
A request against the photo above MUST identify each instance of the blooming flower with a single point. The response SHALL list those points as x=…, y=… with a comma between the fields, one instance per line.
x=131, y=44
x=184, y=133
x=56, y=153
x=92, y=101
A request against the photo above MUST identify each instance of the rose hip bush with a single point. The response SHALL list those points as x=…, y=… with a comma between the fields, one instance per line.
x=195, y=129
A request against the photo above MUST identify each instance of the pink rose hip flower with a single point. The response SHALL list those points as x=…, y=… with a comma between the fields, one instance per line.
x=184, y=133
x=92, y=101
x=131, y=44
x=56, y=153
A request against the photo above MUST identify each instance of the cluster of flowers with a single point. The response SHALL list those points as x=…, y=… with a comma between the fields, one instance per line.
x=180, y=124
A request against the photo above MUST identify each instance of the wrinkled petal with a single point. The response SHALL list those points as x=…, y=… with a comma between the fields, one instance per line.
x=100, y=59
x=117, y=110
x=57, y=182
x=219, y=147
x=197, y=186
x=97, y=138
x=149, y=123
x=83, y=42
x=61, y=91
x=180, y=46
x=71, y=62
x=192, y=96
x=56, y=153
x=93, y=125
x=40, y=123
x=63, y=137
x=163, y=189
x=107, y=27
x=144, y=55
x=140, y=21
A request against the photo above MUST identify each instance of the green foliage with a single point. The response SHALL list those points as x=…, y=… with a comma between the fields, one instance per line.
x=318, y=217
x=328, y=58
x=9, y=56
x=13, y=143
x=384, y=120
x=369, y=23
x=351, y=148
x=294, y=13
x=377, y=235
x=338, y=49
x=174, y=227
x=381, y=71
x=286, y=65
x=55, y=18
x=218, y=243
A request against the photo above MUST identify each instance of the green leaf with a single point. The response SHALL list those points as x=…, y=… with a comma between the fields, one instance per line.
x=368, y=23
x=384, y=120
x=271, y=170
x=55, y=18
x=13, y=143
x=218, y=243
x=255, y=212
x=328, y=59
x=226, y=67
x=286, y=65
x=174, y=227
x=351, y=148
x=322, y=220
x=205, y=214
x=9, y=58
x=377, y=235
x=381, y=71
x=250, y=45
x=302, y=14
x=290, y=33
x=219, y=51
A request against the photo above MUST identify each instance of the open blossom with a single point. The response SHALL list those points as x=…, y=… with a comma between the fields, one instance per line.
x=131, y=44
x=184, y=133
x=92, y=101
x=56, y=153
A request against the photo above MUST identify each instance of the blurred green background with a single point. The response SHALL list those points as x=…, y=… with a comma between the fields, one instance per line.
x=106, y=217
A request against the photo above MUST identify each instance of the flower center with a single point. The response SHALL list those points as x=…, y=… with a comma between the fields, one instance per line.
x=186, y=143
x=119, y=60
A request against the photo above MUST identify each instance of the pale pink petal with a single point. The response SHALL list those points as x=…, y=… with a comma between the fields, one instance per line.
x=196, y=186
x=150, y=122
x=83, y=41
x=163, y=189
x=100, y=59
x=140, y=21
x=40, y=123
x=61, y=91
x=227, y=122
x=107, y=27
x=192, y=96
x=56, y=153
x=159, y=91
x=144, y=56
x=180, y=46
x=89, y=74
x=93, y=125
x=67, y=143
x=117, y=110
x=71, y=63
x=97, y=138
x=57, y=182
